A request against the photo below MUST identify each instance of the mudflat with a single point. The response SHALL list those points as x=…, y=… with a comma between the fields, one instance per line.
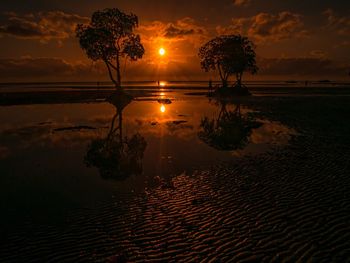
x=289, y=202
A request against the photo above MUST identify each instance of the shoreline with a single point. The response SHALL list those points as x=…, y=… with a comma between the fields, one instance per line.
x=9, y=98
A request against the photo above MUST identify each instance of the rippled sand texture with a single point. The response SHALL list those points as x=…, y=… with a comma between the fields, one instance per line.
x=290, y=205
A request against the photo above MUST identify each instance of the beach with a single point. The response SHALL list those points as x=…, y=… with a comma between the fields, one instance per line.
x=283, y=195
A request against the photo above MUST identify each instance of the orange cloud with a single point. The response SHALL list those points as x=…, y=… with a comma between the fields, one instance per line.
x=185, y=29
x=265, y=27
x=318, y=54
x=181, y=40
x=241, y=2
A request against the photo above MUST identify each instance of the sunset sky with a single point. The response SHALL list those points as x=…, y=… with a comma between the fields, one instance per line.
x=296, y=39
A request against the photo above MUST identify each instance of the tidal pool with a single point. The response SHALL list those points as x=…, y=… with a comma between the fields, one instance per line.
x=60, y=157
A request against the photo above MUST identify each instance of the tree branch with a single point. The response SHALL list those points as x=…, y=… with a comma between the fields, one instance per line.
x=118, y=71
x=219, y=68
x=114, y=67
x=110, y=72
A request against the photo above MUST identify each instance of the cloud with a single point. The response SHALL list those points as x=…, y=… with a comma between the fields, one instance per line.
x=28, y=68
x=344, y=43
x=58, y=69
x=180, y=30
x=172, y=32
x=189, y=69
x=265, y=27
x=241, y=2
x=341, y=25
x=4, y=152
x=308, y=66
x=181, y=39
x=43, y=26
x=318, y=54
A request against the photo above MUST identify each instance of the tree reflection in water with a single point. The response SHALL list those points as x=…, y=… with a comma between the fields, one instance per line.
x=229, y=131
x=117, y=157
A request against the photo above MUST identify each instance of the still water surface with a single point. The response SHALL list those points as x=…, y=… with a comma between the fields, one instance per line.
x=60, y=157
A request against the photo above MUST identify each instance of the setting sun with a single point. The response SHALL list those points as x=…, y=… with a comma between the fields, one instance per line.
x=161, y=51
x=162, y=109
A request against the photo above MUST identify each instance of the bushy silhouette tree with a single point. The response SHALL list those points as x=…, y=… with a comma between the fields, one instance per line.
x=109, y=37
x=230, y=55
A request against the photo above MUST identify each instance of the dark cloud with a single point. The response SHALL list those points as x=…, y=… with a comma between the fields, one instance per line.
x=267, y=27
x=340, y=24
x=28, y=68
x=55, y=69
x=317, y=67
x=43, y=26
x=318, y=54
x=52, y=69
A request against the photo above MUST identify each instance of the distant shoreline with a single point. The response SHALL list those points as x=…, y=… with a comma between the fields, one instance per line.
x=54, y=95
x=173, y=83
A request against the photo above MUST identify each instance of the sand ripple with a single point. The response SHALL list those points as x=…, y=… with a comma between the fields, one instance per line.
x=291, y=205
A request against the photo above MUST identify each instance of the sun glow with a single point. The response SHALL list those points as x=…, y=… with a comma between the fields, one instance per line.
x=162, y=109
x=162, y=51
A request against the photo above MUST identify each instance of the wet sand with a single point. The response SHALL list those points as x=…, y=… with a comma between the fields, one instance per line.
x=291, y=204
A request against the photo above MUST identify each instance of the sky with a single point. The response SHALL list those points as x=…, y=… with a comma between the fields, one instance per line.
x=295, y=39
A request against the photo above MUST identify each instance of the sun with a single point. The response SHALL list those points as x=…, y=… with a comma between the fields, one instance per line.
x=161, y=51
x=162, y=109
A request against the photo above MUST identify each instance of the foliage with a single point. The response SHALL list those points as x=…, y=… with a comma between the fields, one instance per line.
x=109, y=37
x=230, y=55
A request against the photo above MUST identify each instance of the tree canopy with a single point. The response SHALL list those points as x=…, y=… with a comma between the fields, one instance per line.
x=109, y=37
x=230, y=55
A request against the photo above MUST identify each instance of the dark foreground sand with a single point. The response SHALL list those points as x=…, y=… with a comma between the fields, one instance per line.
x=290, y=205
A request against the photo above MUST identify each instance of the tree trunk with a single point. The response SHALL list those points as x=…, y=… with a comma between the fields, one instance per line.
x=223, y=80
x=110, y=73
x=239, y=79
x=112, y=127
x=121, y=128
x=118, y=72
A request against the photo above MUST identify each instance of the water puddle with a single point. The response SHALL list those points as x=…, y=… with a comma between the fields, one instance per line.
x=57, y=157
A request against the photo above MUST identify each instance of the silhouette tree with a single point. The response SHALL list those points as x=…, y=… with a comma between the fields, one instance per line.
x=230, y=55
x=109, y=37
x=229, y=131
x=117, y=157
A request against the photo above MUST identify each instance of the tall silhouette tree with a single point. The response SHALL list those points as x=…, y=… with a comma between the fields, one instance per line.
x=231, y=55
x=109, y=37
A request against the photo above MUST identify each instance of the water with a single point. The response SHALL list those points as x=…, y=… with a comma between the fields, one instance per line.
x=99, y=85
x=61, y=157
